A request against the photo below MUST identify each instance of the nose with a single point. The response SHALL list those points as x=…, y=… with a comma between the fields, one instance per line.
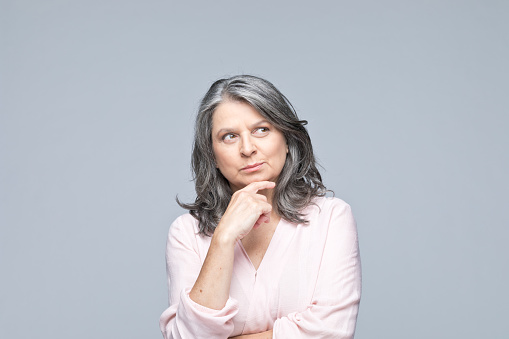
x=247, y=147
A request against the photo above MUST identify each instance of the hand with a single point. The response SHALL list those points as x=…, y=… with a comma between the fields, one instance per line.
x=247, y=210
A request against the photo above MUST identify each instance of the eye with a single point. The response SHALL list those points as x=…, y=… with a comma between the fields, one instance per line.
x=261, y=131
x=229, y=137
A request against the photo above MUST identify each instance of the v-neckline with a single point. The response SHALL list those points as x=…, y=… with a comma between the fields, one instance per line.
x=269, y=250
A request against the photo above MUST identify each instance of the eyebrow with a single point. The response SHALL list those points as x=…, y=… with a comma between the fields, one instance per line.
x=232, y=130
x=261, y=122
x=224, y=131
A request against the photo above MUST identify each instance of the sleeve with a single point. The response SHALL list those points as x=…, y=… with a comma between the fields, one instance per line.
x=184, y=318
x=335, y=303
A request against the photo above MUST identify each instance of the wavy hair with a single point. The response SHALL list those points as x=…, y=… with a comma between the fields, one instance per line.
x=299, y=181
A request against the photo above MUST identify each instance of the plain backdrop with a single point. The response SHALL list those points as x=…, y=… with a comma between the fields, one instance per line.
x=407, y=103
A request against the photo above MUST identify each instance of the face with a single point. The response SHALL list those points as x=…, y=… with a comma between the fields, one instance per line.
x=246, y=146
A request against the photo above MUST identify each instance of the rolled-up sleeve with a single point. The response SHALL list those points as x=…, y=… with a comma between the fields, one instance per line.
x=185, y=318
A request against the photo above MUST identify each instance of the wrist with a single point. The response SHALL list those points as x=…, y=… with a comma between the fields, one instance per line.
x=223, y=238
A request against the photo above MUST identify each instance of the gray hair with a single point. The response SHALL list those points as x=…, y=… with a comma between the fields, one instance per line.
x=299, y=181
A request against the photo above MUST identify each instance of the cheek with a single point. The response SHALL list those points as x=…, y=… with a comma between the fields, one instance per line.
x=282, y=148
x=284, y=155
x=280, y=153
x=217, y=155
x=223, y=156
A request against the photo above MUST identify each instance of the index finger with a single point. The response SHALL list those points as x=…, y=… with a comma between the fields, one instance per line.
x=258, y=185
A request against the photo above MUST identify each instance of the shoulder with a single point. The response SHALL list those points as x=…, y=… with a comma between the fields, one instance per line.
x=321, y=207
x=331, y=215
x=185, y=219
x=184, y=225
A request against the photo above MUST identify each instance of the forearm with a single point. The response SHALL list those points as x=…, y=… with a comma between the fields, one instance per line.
x=212, y=287
x=261, y=335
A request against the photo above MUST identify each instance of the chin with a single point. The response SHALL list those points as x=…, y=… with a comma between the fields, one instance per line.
x=260, y=178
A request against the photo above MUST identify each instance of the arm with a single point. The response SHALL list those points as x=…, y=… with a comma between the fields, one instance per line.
x=334, y=306
x=246, y=209
x=203, y=308
x=261, y=335
x=185, y=318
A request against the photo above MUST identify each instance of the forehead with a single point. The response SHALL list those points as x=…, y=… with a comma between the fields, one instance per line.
x=233, y=113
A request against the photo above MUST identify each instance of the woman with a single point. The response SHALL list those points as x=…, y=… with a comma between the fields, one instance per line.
x=262, y=253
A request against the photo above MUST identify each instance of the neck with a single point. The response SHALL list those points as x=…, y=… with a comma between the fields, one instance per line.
x=269, y=194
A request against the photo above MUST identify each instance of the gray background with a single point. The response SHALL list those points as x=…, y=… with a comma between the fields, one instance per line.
x=407, y=105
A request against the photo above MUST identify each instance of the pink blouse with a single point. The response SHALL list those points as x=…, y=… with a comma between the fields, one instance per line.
x=308, y=284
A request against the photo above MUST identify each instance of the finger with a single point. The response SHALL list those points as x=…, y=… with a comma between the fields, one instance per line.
x=261, y=197
x=262, y=219
x=258, y=185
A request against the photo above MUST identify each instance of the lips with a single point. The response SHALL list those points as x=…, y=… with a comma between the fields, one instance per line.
x=253, y=167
